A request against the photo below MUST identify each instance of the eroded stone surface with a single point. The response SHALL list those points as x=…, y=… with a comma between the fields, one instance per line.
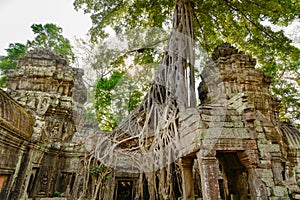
x=43, y=84
x=238, y=121
x=232, y=146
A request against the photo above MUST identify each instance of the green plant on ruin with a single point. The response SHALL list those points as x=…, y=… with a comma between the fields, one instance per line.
x=46, y=36
x=95, y=175
x=57, y=194
x=14, y=53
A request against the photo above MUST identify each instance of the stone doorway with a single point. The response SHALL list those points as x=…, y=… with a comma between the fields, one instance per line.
x=124, y=189
x=233, y=177
x=32, y=183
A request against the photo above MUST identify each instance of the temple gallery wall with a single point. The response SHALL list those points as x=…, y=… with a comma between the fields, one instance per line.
x=230, y=146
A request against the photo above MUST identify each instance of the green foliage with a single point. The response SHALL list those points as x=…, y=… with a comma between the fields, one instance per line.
x=50, y=36
x=122, y=80
x=125, y=15
x=116, y=96
x=57, y=194
x=97, y=169
x=47, y=36
x=135, y=99
x=286, y=89
x=14, y=53
x=108, y=177
x=103, y=100
x=241, y=23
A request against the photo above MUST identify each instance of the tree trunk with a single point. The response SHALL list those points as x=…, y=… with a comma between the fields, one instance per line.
x=176, y=71
x=154, y=123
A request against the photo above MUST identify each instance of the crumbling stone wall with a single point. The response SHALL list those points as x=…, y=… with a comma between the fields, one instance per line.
x=51, y=157
x=236, y=133
x=43, y=83
x=15, y=131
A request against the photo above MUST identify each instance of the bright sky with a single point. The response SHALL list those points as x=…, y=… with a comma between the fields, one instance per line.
x=16, y=17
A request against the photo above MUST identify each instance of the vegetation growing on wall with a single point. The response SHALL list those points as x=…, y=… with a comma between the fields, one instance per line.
x=46, y=36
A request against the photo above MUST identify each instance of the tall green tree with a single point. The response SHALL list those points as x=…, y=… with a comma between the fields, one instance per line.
x=50, y=36
x=117, y=85
x=46, y=36
x=241, y=23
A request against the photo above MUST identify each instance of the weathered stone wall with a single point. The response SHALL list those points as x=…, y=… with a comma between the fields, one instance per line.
x=41, y=146
x=16, y=128
x=14, y=117
x=43, y=82
x=54, y=160
x=237, y=127
x=231, y=72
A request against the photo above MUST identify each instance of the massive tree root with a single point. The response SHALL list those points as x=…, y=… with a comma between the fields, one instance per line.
x=147, y=140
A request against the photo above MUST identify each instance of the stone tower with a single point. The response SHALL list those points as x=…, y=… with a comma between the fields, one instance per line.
x=44, y=83
x=50, y=89
x=234, y=139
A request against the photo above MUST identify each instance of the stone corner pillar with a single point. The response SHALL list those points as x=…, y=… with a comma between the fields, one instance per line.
x=187, y=178
x=208, y=166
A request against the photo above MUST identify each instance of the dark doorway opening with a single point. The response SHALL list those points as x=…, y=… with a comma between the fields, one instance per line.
x=146, y=195
x=125, y=190
x=234, y=181
x=32, y=182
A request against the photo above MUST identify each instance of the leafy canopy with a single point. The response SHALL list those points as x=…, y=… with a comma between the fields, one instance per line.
x=239, y=22
x=119, y=88
x=46, y=36
x=14, y=53
x=50, y=36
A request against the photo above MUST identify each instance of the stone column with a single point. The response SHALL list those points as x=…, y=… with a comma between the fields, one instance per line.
x=187, y=178
x=277, y=169
x=257, y=188
x=209, y=177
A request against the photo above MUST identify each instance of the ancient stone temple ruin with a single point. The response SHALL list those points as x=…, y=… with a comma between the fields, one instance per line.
x=38, y=156
x=231, y=146
x=234, y=138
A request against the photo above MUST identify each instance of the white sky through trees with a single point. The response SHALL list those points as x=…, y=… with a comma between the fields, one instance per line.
x=16, y=17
